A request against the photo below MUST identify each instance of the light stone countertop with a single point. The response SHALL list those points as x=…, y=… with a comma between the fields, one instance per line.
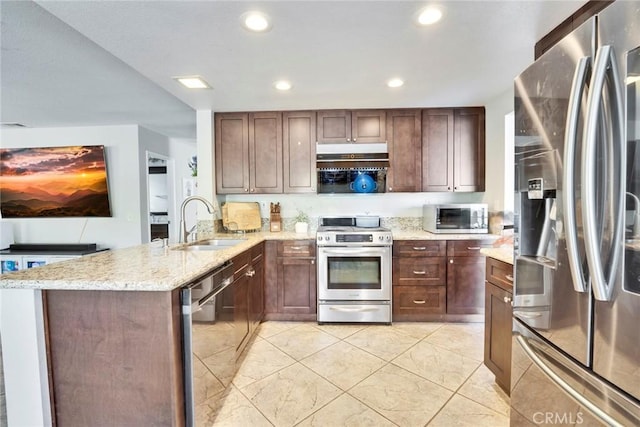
x=145, y=267
x=149, y=267
x=503, y=253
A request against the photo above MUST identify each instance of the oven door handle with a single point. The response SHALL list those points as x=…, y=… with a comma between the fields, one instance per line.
x=350, y=251
x=353, y=308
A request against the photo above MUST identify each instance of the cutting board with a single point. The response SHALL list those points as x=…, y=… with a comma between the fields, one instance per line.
x=241, y=216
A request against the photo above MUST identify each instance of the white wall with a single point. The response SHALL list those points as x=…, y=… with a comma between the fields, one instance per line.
x=128, y=206
x=496, y=109
x=181, y=151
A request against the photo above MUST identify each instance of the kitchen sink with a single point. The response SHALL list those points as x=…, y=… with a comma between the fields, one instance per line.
x=220, y=242
x=211, y=245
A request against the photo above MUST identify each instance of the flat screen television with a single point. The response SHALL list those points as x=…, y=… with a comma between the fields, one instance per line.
x=57, y=182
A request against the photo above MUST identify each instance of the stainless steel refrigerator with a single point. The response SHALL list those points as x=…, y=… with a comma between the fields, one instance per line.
x=576, y=305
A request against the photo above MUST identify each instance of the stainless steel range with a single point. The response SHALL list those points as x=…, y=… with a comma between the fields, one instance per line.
x=354, y=271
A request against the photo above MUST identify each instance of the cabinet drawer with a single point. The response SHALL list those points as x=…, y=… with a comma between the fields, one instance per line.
x=297, y=248
x=419, y=248
x=420, y=271
x=417, y=300
x=467, y=247
x=241, y=262
x=500, y=274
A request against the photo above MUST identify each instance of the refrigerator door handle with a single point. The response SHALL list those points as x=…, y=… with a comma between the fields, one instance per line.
x=566, y=387
x=571, y=132
x=605, y=65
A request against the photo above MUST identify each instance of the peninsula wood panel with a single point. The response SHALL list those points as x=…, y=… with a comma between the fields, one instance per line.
x=299, y=151
x=405, y=150
x=115, y=358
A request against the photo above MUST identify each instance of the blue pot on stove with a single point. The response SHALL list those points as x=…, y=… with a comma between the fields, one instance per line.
x=363, y=183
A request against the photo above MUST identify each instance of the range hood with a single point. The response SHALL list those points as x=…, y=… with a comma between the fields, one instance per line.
x=352, y=156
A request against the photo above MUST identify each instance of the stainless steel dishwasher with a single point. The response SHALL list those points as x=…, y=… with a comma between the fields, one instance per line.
x=208, y=341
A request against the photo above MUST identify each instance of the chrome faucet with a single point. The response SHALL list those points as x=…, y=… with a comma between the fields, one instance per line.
x=184, y=234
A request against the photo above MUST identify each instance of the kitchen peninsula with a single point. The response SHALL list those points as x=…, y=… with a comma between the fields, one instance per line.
x=103, y=331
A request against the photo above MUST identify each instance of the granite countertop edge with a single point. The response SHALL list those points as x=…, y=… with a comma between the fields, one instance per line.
x=150, y=267
x=503, y=253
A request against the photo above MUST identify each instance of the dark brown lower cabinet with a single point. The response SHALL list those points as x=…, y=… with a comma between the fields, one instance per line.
x=465, y=276
x=115, y=357
x=290, y=280
x=414, y=302
x=498, y=322
x=465, y=290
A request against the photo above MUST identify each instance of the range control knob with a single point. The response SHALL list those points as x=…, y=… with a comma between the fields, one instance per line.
x=388, y=237
x=380, y=238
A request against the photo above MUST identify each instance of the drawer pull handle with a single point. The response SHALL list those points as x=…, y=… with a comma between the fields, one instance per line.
x=473, y=248
x=419, y=272
x=509, y=277
x=419, y=248
x=421, y=301
x=507, y=300
x=296, y=248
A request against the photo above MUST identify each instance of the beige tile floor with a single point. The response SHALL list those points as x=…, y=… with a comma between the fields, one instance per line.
x=407, y=374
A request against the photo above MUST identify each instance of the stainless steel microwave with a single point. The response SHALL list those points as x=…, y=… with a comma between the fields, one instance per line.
x=456, y=218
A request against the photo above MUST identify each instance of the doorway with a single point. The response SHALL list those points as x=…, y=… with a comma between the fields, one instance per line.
x=160, y=197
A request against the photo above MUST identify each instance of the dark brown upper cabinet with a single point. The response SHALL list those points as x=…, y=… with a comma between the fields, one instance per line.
x=299, y=151
x=351, y=126
x=453, y=149
x=248, y=153
x=405, y=151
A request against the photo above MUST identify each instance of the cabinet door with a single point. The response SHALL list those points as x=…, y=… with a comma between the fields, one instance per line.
x=437, y=150
x=271, y=269
x=497, y=334
x=241, y=318
x=465, y=285
x=265, y=152
x=405, y=150
x=299, y=150
x=232, y=153
x=368, y=126
x=334, y=126
x=297, y=285
x=469, y=147
x=256, y=290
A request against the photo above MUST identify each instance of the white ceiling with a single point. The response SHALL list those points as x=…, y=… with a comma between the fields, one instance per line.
x=77, y=63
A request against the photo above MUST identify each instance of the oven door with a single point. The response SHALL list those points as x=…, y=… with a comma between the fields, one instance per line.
x=354, y=273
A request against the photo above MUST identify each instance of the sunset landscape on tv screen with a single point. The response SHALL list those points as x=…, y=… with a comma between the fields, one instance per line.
x=54, y=182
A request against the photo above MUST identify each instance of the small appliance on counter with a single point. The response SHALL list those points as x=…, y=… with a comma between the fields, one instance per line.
x=470, y=218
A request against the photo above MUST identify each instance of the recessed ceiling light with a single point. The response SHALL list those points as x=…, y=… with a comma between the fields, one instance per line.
x=429, y=15
x=255, y=21
x=395, y=83
x=282, y=85
x=193, y=82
